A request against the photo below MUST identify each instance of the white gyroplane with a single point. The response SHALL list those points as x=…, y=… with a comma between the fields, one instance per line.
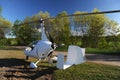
x=44, y=48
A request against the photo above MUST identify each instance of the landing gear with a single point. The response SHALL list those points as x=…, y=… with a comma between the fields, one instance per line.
x=34, y=65
x=27, y=57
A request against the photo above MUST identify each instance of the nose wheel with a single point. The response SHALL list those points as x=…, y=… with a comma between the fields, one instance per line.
x=34, y=65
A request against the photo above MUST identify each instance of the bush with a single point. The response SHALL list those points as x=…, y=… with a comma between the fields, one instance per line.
x=4, y=42
x=114, y=45
x=13, y=42
x=8, y=42
x=102, y=44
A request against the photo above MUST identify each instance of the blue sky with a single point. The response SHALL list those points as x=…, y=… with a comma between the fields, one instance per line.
x=20, y=9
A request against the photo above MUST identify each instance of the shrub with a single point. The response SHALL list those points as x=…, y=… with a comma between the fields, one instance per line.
x=102, y=44
x=8, y=42
x=4, y=42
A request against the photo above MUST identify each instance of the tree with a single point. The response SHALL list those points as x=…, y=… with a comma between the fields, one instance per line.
x=94, y=28
x=111, y=31
x=96, y=25
x=16, y=27
x=90, y=27
x=43, y=15
x=60, y=29
x=80, y=27
x=3, y=24
x=64, y=27
x=24, y=33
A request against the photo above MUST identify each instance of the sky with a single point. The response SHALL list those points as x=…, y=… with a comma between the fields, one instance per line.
x=20, y=9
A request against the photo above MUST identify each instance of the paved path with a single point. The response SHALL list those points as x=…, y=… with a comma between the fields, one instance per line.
x=100, y=58
x=104, y=59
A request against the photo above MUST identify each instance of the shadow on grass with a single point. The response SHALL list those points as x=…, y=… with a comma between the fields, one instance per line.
x=11, y=62
x=19, y=69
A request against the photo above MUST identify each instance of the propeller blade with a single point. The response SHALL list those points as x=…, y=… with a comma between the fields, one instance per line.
x=50, y=37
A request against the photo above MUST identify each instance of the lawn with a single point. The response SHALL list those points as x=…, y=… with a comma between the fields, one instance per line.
x=88, y=71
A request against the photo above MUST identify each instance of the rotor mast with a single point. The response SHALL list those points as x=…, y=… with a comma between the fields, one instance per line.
x=43, y=36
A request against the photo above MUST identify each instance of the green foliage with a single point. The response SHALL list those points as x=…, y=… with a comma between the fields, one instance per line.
x=111, y=28
x=86, y=41
x=14, y=42
x=59, y=28
x=64, y=30
x=113, y=42
x=3, y=24
x=75, y=40
x=8, y=42
x=15, y=28
x=88, y=71
x=2, y=33
x=114, y=45
x=26, y=35
x=108, y=51
x=62, y=48
x=4, y=42
x=102, y=44
x=43, y=15
x=95, y=27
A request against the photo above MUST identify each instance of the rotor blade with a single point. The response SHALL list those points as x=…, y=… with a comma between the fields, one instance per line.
x=92, y=13
x=27, y=23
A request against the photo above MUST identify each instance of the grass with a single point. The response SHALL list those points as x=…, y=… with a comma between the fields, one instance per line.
x=3, y=47
x=62, y=48
x=88, y=71
x=102, y=51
